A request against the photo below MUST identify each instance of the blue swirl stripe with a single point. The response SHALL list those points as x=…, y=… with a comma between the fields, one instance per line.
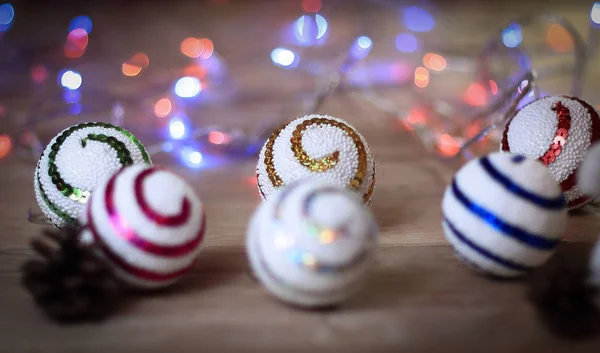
x=532, y=240
x=484, y=252
x=551, y=204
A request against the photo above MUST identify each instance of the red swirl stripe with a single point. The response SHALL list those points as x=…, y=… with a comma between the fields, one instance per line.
x=122, y=227
x=563, y=115
x=166, y=221
x=138, y=272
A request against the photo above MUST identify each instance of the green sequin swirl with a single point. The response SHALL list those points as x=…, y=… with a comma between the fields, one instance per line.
x=75, y=193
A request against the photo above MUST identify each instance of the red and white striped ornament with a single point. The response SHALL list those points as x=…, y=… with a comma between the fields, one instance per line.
x=148, y=223
x=557, y=131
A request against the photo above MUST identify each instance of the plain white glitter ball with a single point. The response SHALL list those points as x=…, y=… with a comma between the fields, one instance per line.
x=317, y=146
x=504, y=214
x=311, y=243
x=557, y=131
x=75, y=161
x=149, y=225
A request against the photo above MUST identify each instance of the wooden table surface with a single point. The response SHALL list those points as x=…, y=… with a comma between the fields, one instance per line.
x=419, y=296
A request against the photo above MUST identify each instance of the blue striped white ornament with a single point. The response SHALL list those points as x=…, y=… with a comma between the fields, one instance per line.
x=504, y=214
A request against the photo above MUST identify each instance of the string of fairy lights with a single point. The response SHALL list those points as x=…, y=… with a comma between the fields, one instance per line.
x=364, y=73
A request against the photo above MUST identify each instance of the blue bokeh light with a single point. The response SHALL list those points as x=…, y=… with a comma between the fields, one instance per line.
x=191, y=157
x=7, y=16
x=187, y=87
x=595, y=14
x=177, y=128
x=75, y=109
x=361, y=48
x=71, y=96
x=512, y=35
x=310, y=29
x=284, y=57
x=70, y=79
x=83, y=22
x=407, y=42
x=417, y=19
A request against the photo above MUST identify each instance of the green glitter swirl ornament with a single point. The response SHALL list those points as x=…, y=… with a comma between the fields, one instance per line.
x=75, y=161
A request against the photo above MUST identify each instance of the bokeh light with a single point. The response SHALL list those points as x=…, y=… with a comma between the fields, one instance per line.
x=81, y=22
x=218, y=138
x=71, y=96
x=407, y=42
x=417, y=19
x=70, y=79
x=77, y=42
x=595, y=13
x=187, y=87
x=191, y=157
x=75, y=109
x=512, y=35
x=191, y=47
x=421, y=77
x=559, y=39
x=361, y=48
x=39, y=74
x=7, y=16
x=312, y=6
x=141, y=60
x=177, y=129
x=476, y=95
x=130, y=70
x=434, y=62
x=163, y=107
x=208, y=48
x=310, y=29
x=283, y=57
x=447, y=145
x=5, y=145
x=134, y=66
x=195, y=157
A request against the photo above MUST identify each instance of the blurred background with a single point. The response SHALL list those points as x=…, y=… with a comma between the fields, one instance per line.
x=203, y=83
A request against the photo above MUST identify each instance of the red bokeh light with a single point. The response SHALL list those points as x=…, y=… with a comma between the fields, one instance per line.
x=476, y=95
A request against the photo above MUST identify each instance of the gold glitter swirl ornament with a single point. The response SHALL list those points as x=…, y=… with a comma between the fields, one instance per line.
x=75, y=161
x=318, y=146
x=311, y=244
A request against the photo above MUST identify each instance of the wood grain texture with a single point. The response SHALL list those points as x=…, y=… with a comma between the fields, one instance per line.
x=419, y=298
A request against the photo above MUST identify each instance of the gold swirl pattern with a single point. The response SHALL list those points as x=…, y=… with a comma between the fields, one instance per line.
x=271, y=172
x=367, y=196
x=319, y=164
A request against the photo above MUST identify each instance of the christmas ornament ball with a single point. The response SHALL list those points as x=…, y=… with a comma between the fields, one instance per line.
x=311, y=243
x=317, y=146
x=75, y=161
x=588, y=176
x=504, y=214
x=149, y=225
x=557, y=131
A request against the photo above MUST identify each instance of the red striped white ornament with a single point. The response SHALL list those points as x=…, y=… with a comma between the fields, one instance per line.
x=557, y=131
x=149, y=224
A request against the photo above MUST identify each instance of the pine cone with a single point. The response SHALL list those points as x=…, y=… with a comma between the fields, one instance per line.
x=563, y=297
x=70, y=282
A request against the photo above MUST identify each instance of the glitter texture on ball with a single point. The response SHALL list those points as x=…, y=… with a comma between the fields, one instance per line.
x=311, y=243
x=317, y=146
x=504, y=214
x=558, y=132
x=75, y=161
x=148, y=223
